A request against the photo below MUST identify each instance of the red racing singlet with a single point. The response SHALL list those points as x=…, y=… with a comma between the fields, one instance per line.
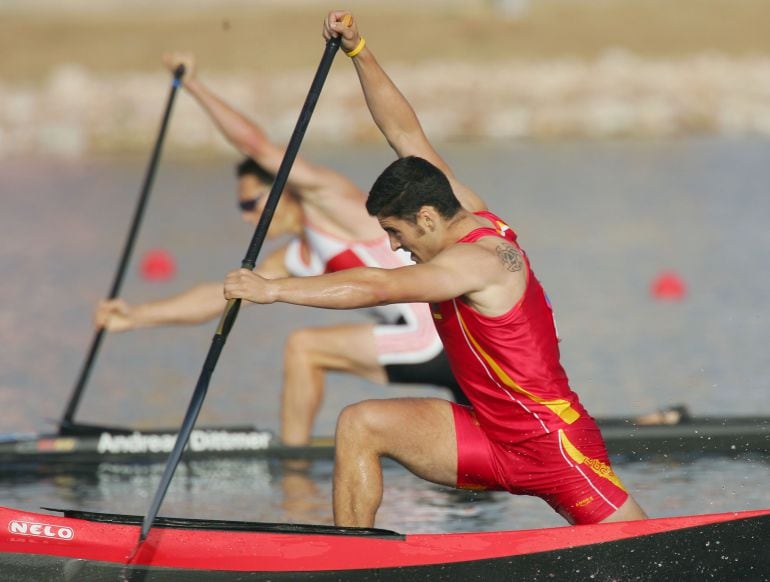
x=508, y=365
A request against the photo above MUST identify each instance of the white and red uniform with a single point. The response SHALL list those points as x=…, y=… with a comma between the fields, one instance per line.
x=527, y=431
x=407, y=343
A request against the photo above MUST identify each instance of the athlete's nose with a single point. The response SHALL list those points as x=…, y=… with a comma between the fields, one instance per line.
x=394, y=243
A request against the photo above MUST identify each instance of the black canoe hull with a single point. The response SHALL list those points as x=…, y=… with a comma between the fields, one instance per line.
x=733, y=436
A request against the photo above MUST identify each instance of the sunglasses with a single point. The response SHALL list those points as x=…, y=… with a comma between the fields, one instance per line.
x=248, y=204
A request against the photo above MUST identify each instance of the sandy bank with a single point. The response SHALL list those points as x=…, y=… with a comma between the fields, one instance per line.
x=77, y=80
x=76, y=112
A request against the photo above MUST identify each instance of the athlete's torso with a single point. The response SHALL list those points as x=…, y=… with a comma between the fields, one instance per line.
x=508, y=365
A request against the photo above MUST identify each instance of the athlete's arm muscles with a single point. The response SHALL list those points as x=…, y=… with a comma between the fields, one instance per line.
x=399, y=124
x=197, y=304
x=455, y=272
x=203, y=302
x=251, y=140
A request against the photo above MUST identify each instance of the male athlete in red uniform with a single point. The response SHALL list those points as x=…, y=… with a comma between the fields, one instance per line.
x=509, y=366
x=525, y=430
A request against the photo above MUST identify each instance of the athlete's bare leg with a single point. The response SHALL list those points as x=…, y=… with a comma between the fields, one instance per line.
x=309, y=354
x=419, y=433
x=629, y=511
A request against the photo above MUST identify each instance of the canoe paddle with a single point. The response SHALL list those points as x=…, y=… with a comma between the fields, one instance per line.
x=249, y=262
x=67, y=425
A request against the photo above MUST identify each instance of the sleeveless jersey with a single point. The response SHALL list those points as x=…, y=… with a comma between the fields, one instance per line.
x=508, y=365
x=406, y=334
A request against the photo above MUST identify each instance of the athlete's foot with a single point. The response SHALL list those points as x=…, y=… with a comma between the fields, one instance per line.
x=665, y=416
x=296, y=465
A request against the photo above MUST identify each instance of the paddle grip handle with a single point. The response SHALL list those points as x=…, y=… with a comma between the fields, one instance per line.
x=178, y=74
x=228, y=317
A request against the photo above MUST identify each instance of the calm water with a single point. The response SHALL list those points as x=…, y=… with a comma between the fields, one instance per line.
x=263, y=491
x=599, y=220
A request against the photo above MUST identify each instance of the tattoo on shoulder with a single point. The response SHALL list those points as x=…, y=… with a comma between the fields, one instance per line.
x=510, y=256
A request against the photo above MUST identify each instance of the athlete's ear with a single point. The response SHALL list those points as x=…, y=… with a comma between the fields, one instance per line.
x=427, y=218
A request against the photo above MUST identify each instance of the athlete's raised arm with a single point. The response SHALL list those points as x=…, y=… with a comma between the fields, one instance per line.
x=307, y=180
x=389, y=108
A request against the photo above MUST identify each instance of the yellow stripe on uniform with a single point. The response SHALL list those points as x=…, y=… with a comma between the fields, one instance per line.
x=562, y=408
x=599, y=467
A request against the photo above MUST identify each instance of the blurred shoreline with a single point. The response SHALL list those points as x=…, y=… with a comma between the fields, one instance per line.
x=77, y=113
x=77, y=81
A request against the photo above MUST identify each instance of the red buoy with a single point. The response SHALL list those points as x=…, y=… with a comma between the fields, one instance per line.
x=157, y=265
x=668, y=286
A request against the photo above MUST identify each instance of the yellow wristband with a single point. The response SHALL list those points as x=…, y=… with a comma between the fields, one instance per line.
x=359, y=47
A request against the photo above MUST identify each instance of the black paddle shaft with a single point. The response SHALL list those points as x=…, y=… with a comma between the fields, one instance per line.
x=249, y=262
x=66, y=425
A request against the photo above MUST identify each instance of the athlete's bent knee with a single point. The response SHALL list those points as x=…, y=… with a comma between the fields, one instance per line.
x=299, y=343
x=359, y=420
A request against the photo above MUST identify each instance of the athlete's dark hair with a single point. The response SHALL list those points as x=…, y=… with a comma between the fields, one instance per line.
x=248, y=167
x=407, y=185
